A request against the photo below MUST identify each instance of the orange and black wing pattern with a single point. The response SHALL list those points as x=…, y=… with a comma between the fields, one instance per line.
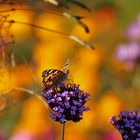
x=53, y=77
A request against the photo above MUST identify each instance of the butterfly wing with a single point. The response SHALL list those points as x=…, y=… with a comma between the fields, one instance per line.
x=53, y=77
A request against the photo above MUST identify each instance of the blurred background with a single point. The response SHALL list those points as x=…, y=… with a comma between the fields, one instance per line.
x=110, y=72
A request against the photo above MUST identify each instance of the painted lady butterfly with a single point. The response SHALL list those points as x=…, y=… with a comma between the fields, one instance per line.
x=52, y=77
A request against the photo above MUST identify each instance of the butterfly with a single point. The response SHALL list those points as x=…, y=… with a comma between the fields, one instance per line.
x=53, y=77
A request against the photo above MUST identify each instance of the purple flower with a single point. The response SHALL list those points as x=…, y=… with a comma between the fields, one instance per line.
x=66, y=101
x=128, y=53
x=128, y=124
x=133, y=31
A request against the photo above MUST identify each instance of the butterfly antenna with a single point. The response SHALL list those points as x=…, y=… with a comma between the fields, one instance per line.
x=65, y=66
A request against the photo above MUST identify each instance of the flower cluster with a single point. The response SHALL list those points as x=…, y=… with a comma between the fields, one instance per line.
x=128, y=124
x=66, y=101
x=133, y=31
x=128, y=53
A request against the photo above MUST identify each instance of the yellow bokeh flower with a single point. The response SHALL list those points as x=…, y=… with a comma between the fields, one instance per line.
x=19, y=30
x=108, y=106
x=33, y=117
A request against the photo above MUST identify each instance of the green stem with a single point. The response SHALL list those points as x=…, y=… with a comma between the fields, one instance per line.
x=63, y=130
